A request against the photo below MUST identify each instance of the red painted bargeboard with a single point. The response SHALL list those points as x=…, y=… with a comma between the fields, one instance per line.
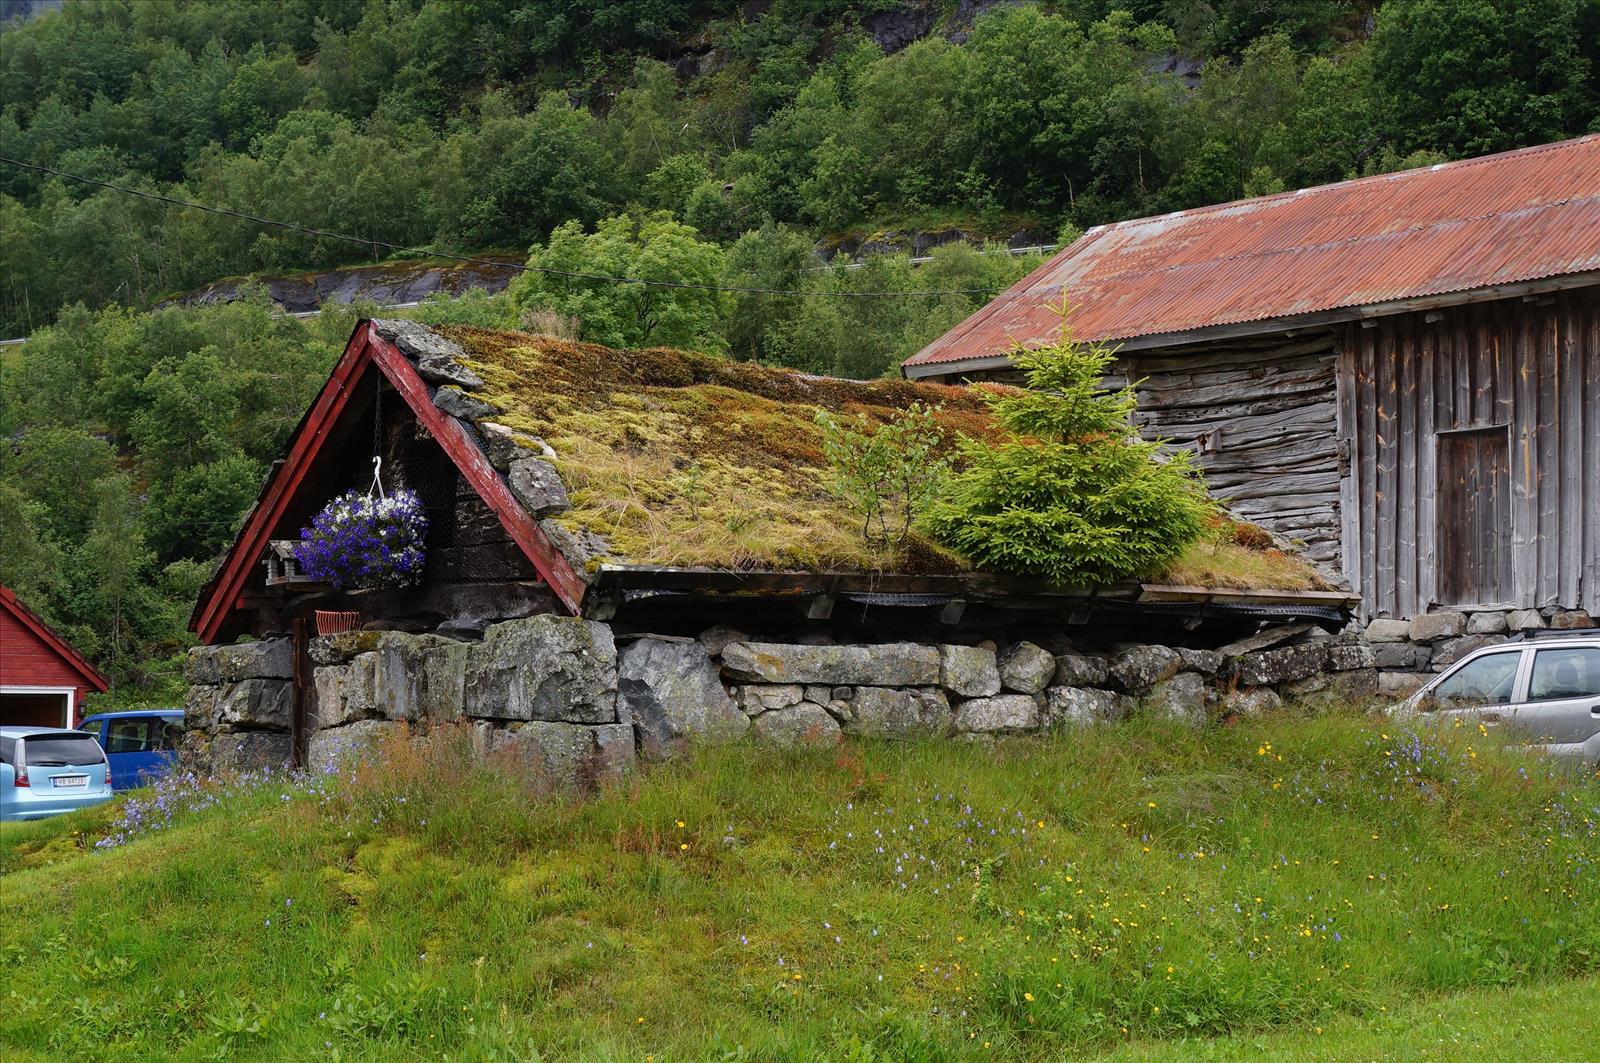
x=226, y=593
x=470, y=459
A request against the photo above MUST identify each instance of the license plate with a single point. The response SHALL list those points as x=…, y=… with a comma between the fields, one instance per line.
x=62, y=782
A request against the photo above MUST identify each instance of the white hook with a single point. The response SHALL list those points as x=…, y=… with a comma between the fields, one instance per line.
x=377, y=479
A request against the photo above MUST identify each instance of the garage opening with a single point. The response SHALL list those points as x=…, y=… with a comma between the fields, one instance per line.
x=34, y=708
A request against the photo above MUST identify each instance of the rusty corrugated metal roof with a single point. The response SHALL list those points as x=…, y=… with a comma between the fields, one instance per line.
x=1499, y=219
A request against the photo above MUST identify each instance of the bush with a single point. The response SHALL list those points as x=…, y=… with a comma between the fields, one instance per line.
x=1072, y=494
x=888, y=473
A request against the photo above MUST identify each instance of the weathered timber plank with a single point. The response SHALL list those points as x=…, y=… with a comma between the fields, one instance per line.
x=1540, y=337
x=1387, y=387
x=1249, y=407
x=1349, y=506
x=1234, y=352
x=1462, y=333
x=1319, y=416
x=1427, y=470
x=1264, y=596
x=1572, y=474
x=1406, y=468
x=1322, y=484
x=1367, y=443
x=1189, y=388
x=1182, y=394
x=1222, y=367
x=1524, y=478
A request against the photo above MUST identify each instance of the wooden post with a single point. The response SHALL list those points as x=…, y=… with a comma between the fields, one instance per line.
x=302, y=692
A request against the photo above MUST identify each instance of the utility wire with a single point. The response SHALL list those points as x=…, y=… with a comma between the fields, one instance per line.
x=522, y=267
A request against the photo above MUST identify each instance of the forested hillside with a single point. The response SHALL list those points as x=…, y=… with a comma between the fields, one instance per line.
x=472, y=124
x=717, y=143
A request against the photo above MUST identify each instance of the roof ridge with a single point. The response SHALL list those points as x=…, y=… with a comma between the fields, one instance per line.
x=1290, y=194
x=1244, y=256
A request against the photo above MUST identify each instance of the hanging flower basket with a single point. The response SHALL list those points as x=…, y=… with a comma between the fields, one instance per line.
x=361, y=541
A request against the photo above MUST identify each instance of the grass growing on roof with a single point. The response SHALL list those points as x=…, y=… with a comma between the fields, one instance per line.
x=1144, y=883
x=1238, y=555
x=679, y=458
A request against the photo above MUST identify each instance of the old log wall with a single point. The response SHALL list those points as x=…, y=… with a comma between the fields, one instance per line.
x=1262, y=419
x=1531, y=368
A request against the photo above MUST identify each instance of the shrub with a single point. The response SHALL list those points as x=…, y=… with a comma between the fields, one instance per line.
x=1072, y=493
x=886, y=472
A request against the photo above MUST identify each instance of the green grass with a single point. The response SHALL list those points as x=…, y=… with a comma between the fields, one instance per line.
x=1144, y=891
x=1558, y=1022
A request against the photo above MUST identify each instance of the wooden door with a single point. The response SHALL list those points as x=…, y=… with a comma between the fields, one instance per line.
x=1474, y=512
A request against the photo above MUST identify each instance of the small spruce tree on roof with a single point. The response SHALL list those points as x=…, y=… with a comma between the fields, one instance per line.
x=1071, y=493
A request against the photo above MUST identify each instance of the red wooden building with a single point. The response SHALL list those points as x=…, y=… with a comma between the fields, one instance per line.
x=43, y=680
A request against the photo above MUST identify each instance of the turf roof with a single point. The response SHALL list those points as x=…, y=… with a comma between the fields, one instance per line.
x=686, y=459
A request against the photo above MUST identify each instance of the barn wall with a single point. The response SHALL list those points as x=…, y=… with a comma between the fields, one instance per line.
x=1262, y=418
x=1531, y=367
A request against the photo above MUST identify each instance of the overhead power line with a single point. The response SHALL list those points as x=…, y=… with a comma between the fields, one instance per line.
x=522, y=267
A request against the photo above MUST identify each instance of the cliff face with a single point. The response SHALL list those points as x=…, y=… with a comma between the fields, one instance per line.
x=389, y=284
x=21, y=10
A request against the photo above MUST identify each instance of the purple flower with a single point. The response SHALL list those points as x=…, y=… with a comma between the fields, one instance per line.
x=357, y=541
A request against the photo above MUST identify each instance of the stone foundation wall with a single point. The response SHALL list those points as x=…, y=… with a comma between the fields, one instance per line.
x=1408, y=652
x=573, y=702
x=238, y=706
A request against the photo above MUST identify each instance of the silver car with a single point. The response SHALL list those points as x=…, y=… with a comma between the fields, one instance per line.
x=1543, y=687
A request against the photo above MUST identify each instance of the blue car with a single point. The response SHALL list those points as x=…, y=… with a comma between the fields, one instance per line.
x=142, y=744
x=45, y=771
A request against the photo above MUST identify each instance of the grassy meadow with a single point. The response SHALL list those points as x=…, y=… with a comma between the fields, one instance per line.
x=1289, y=888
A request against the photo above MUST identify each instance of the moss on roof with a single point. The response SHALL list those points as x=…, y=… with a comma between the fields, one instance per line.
x=686, y=459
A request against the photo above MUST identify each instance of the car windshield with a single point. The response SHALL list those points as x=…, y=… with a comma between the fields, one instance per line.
x=54, y=751
x=1485, y=681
